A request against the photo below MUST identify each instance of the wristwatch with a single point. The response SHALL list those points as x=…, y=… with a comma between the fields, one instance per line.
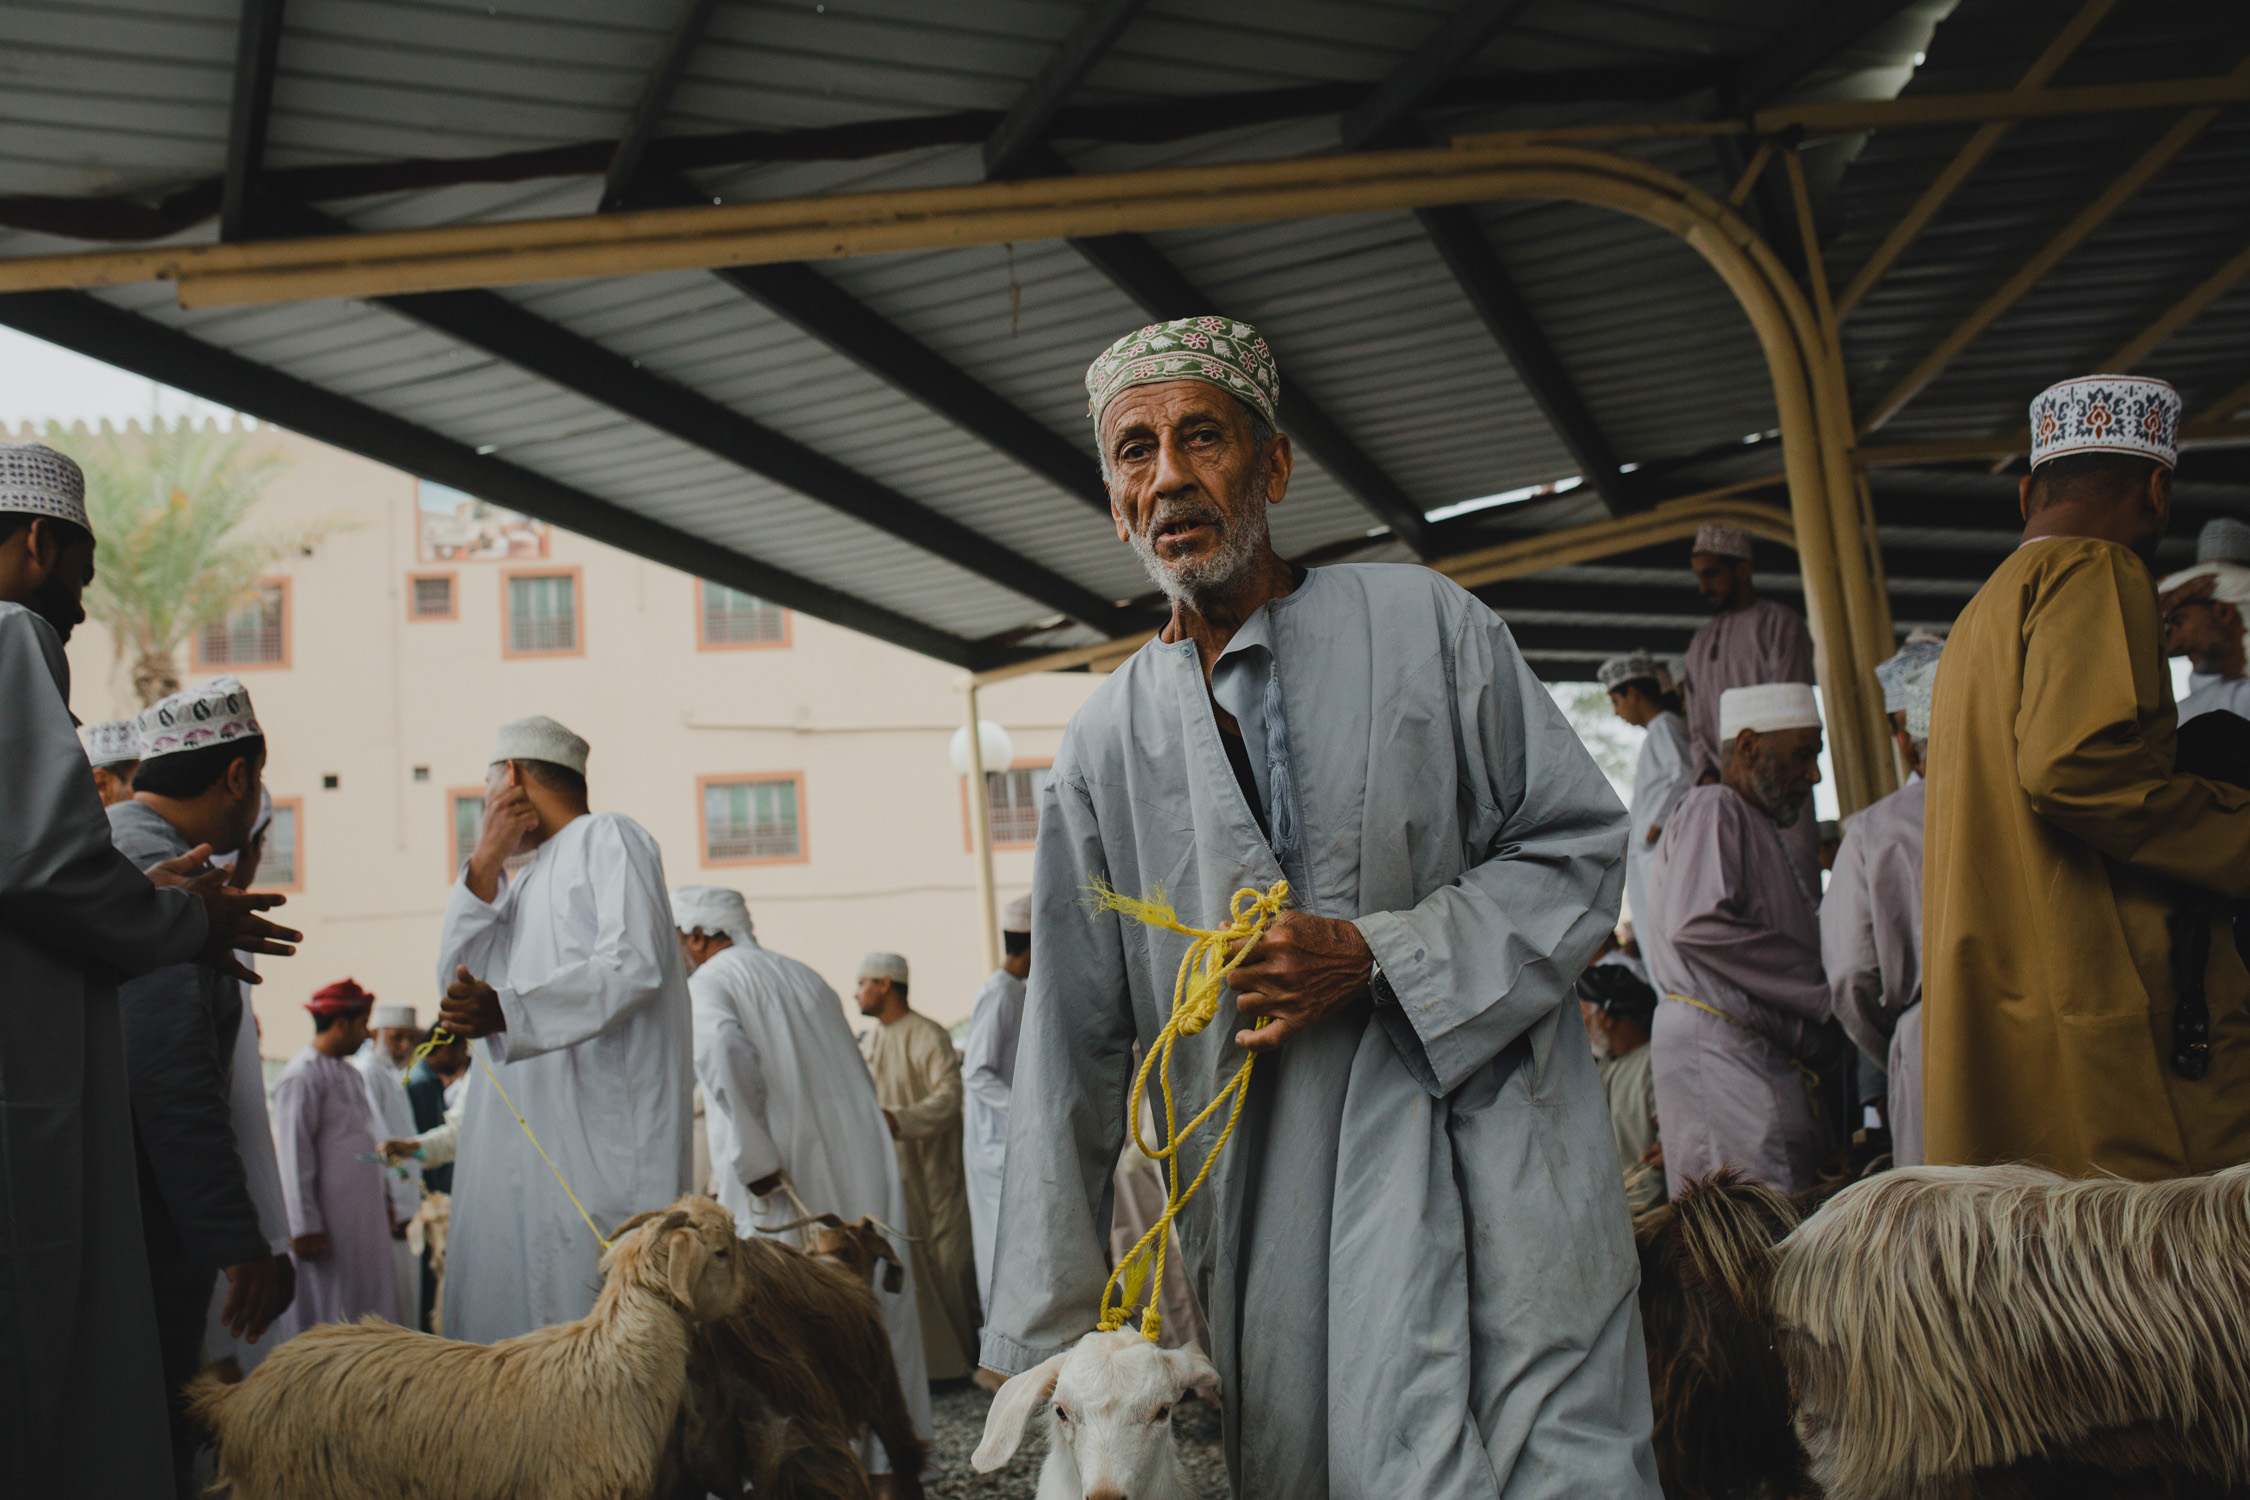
x=1379, y=987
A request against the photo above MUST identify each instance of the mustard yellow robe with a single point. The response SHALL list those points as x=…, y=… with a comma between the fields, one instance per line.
x=918, y=1079
x=2054, y=823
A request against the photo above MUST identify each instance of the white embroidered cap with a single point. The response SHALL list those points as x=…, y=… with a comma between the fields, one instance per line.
x=1722, y=541
x=36, y=480
x=399, y=1017
x=2230, y=582
x=116, y=743
x=1633, y=666
x=195, y=718
x=2129, y=414
x=2223, y=539
x=540, y=738
x=883, y=966
x=1016, y=916
x=1921, y=690
x=1768, y=707
x=710, y=910
x=1892, y=674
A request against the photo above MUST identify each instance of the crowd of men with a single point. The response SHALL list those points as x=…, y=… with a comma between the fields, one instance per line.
x=1995, y=972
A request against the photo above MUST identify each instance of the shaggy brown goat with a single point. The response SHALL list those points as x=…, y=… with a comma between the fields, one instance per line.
x=2000, y=1331
x=781, y=1389
x=1720, y=1396
x=578, y=1411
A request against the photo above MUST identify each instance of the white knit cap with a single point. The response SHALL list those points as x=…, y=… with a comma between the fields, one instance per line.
x=1016, y=917
x=711, y=910
x=2230, y=582
x=387, y=1016
x=540, y=738
x=883, y=966
x=36, y=480
x=1722, y=541
x=2223, y=538
x=2128, y=414
x=1767, y=707
x=113, y=744
x=194, y=718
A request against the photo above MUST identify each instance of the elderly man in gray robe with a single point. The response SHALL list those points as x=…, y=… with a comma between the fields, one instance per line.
x=81, y=1385
x=1733, y=946
x=1415, y=1251
x=1871, y=918
x=1749, y=639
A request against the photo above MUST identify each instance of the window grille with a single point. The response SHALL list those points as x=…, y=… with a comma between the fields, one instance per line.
x=249, y=634
x=542, y=614
x=745, y=820
x=1011, y=804
x=733, y=618
x=433, y=598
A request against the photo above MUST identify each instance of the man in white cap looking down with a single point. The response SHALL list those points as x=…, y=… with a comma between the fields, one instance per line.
x=1749, y=640
x=988, y=1071
x=2054, y=1028
x=918, y=1081
x=1733, y=949
x=789, y=1107
x=382, y=1063
x=114, y=751
x=2203, y=621
x=570, y=971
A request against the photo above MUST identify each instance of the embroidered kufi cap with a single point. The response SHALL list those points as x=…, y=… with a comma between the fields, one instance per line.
x=2230, y=583
x=1633, y=666
x=1722, y=541
x=1892, y=674
x=195, y=718
x=1016, y=917
x=540, y=738
x=1767, y=708
x=116, y=743
x=2223, y=538
x=36, y=480
x=883, y=966
x=339, y=999
x=711, y=910
x=1921, y=688
x=1224, y=352
x=393, y=1017
x=2129, y=414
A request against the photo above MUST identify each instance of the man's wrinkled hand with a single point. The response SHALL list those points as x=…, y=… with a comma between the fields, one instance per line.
x=471, y=1008
x=233, y=920
x=1302, y=969
x=508, y=816
x=258, y=1291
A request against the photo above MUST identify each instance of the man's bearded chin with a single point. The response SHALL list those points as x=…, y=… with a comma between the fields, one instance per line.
x=1767, y=785
x=1242, y=540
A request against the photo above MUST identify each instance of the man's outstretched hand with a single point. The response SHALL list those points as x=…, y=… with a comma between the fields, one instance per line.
x=1303, y=968
x=232, y=915
x=470, y=1007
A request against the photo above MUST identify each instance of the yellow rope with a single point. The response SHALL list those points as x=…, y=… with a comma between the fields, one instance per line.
x=439, y=1036
x=1811, y=1079
x=1195, y=1001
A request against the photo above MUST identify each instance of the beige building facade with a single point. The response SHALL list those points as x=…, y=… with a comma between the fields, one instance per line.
x=801, y=763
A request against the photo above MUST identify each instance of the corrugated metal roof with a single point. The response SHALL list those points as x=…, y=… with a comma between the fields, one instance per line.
x=132, y=97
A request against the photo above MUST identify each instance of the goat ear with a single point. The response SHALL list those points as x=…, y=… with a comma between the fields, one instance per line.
x=1011, y=1410
x=1192, y=1372
x=685, y=1255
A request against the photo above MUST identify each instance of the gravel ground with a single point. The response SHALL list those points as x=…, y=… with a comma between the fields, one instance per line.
x=959, y=1409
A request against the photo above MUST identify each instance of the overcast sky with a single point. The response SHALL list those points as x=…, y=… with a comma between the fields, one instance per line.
x=41, y=383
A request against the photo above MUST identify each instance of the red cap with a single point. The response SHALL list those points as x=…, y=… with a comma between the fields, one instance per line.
x=339, y=999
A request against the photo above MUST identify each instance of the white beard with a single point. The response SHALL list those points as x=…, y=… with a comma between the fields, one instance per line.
x=1241, y=543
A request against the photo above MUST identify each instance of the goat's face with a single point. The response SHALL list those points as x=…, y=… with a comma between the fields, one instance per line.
x=1110, y=1399
x=685, y=1254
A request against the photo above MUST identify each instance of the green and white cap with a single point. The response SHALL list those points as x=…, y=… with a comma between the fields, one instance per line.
x=1224, y=352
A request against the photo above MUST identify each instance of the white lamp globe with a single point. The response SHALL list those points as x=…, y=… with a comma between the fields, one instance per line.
x=993, y=744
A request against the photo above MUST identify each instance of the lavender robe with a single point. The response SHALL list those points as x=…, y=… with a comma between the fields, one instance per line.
x=1737, y=930
x=322, y=1125
x=1766, y=642
x=1871, y=946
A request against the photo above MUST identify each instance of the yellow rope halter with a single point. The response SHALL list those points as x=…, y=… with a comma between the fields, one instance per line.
x=439, y=1036
x=1195, y=1001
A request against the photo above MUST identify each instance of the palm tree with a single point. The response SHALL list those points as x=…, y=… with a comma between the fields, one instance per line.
x=167, y=506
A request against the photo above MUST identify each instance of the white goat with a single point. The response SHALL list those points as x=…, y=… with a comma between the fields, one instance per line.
x=1109, y=1400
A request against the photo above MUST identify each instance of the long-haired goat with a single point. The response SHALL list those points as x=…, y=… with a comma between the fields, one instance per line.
x=1109, y=1400
x=782, y=1387
x=2003, y=1331
x=1720, y=1396
x=578, y=1411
